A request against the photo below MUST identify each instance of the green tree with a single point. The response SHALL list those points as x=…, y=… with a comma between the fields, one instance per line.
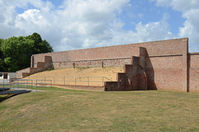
x=2, y=64
x=40, y=46
x=16, y=51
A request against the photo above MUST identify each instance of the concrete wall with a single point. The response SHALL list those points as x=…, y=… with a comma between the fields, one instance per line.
x=166, y=62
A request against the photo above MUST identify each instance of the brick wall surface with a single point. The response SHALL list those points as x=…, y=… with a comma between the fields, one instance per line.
x=93, y=63
x=19, y=73
x=157, y=48
x=166, y=65
x=165, y=72
x=194, y=72
x=134, y=77
x=41, y=66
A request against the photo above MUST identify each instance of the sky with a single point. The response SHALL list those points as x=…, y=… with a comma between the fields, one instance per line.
x=78, y=24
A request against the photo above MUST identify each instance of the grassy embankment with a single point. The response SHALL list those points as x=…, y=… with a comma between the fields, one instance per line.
x=55, y=109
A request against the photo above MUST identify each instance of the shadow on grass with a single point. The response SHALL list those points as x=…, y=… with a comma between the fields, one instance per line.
x=3, y=98
x=8, y=94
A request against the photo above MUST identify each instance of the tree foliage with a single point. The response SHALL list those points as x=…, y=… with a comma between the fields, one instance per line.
x=15, y=52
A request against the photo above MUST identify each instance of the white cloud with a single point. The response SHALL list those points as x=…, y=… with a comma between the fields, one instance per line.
x=190, y=11
x=143, y=32
x=76, y=23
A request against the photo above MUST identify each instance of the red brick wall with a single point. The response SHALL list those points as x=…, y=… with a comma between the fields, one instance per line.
x=90, y=54
x=93, y=63
x=19, y=73
x=194, y=72
x=133, y=78
x=165, y=73
x=166, y=66
x=156, y=48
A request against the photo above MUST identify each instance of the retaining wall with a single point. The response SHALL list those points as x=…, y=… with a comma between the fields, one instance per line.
x=156, y=48
x=168, y=63
x=193, y=72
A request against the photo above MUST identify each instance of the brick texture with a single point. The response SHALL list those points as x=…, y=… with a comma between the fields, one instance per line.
x=41, y=66
x=193, y=72
x=164, y=65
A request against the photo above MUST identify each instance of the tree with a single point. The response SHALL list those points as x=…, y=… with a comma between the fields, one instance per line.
x=17, y=51
x=2, y=64
x=40, y=46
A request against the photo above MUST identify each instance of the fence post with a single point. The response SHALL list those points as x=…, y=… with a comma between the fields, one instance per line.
x=102, y=81
x=75, y=81
x=10, y=81
x=64, y=80
x=3, y=83
x=26, y=86
x=31, y=83
x=88, y=80
x=18, y=84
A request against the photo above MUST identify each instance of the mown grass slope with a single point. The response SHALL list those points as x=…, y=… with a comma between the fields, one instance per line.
x=57, y=109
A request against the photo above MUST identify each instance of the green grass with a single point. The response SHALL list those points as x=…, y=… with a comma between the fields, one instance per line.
x=55, y=109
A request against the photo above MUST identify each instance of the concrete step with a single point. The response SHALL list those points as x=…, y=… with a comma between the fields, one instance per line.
x=4, y=89
x=14, y=92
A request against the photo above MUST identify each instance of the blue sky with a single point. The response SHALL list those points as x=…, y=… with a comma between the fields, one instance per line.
x=146, y=11
x=76, y=24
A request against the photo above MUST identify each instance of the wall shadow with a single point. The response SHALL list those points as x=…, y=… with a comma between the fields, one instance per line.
x=150, y=74
x=188, y=71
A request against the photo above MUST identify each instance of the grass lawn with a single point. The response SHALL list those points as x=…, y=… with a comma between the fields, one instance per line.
x=64, y=110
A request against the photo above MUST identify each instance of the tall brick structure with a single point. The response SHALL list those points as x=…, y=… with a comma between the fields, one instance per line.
x=41, y=66
x=162, y=64
x=134, y=77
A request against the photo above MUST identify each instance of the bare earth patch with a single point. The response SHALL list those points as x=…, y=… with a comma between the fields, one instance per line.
x=79, y=76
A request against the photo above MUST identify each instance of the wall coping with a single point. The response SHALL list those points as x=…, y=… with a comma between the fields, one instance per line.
x=117, y=58
x=135, y=44
x=92, y=60
x=194, y=53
